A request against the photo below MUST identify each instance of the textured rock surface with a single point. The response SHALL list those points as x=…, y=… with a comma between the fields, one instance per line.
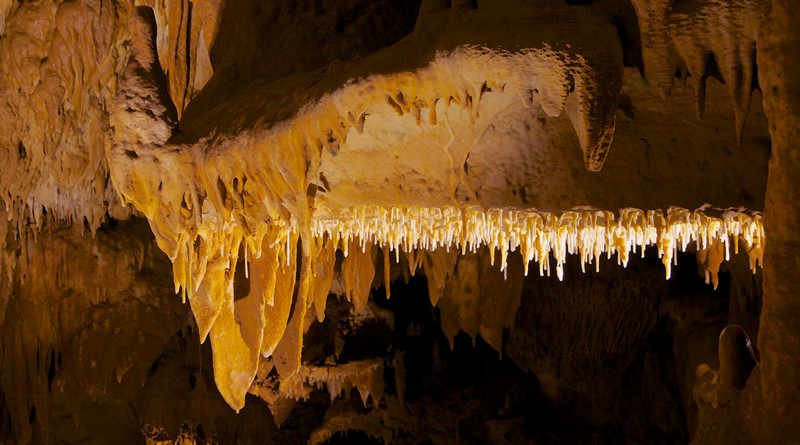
x=60, y=62
x=780, y=343
x=292, y=157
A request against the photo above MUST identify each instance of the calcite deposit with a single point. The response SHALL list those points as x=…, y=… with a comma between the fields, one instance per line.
x=344, y=197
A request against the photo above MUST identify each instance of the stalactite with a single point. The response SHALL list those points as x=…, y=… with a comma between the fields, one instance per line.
x=701, y=35
x=243, y=187
x=542, y=235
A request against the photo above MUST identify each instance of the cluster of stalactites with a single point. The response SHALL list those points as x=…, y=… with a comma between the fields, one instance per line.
x=693, y=37
x=259, y=324
x=540, y=235
x=366, y=376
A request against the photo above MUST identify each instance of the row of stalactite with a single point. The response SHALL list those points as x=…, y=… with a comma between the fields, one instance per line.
x=242, y=328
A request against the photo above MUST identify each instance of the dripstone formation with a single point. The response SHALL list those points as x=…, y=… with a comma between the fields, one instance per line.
x=398, y=221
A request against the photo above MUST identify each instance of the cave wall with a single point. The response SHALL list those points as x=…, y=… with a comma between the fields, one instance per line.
x=779, y=387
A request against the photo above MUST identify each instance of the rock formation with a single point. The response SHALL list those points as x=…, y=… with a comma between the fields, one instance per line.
x=345, y=195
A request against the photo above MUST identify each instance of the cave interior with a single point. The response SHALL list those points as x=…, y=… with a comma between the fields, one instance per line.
x=399, y=221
